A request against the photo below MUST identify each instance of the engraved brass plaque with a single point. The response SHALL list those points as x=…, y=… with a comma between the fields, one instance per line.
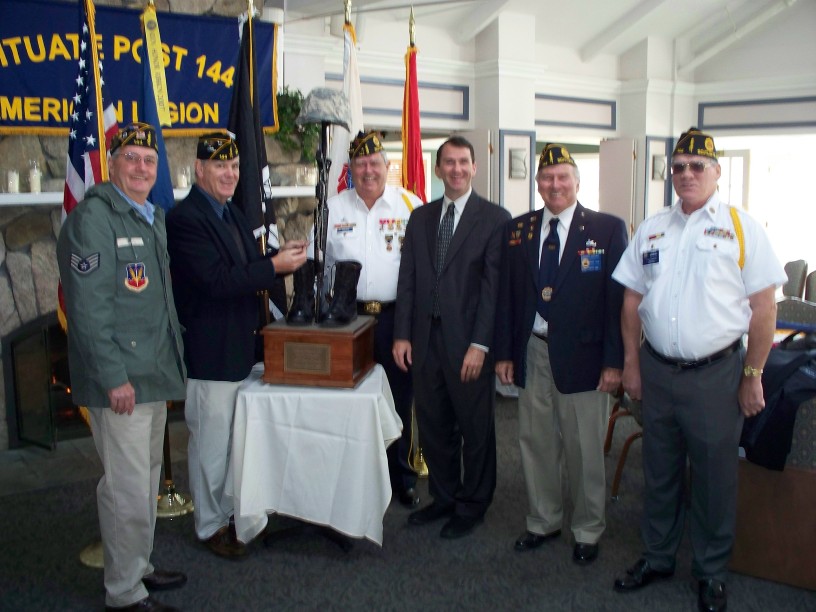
x=306, y=358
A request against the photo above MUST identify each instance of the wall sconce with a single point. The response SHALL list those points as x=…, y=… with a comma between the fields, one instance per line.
x=518, y=163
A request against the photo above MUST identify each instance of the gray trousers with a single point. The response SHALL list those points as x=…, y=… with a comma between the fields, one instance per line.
x=690, y=414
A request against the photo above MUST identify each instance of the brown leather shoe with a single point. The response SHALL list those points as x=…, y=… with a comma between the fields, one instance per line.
x=224, y=543
x=148, y=604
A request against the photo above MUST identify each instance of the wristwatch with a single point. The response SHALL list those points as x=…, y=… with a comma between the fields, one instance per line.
x=752, y=372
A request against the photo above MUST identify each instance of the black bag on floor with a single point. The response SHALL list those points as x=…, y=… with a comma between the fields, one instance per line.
x=788, y=380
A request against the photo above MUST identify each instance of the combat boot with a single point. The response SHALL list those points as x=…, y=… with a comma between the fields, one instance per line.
x=343, y=306
x=303, y=303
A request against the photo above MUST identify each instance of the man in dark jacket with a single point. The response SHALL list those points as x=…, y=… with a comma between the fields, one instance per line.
x=558, y=337
x=217, y=270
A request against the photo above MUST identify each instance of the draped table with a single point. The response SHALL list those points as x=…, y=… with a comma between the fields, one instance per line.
x=316, y=454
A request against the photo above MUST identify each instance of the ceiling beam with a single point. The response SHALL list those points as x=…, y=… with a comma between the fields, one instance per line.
x=760, y=19
x=478, y=19
x=615, y=31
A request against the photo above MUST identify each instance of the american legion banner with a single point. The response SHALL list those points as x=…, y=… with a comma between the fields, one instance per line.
x=39, y=50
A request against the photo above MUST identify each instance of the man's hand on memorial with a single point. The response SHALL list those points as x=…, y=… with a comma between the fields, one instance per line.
x=291, y=256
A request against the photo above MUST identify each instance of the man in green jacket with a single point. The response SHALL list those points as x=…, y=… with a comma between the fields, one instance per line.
x=125, y=356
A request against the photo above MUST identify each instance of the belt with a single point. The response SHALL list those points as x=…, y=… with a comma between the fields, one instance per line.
x=542, y=337
x=373, y=307
x=691, y=365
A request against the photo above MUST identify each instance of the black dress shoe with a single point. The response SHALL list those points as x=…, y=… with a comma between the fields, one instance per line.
x=148, y=604
x=159, y=580
x=429, y=514
x=640, y=575
x=459, y=526
x=408, y=497
x=711, y=596
x=529, y=540
x=584, y=554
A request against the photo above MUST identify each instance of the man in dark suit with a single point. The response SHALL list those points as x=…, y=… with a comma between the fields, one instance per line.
x=217, y=269
x=558, y=337
x=446, y=306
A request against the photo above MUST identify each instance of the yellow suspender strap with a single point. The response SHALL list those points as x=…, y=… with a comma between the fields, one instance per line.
x=407, y=201
x=740, y=235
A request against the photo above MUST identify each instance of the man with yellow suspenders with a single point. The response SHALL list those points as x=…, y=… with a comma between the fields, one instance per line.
x=366, y=225
x=698, y=276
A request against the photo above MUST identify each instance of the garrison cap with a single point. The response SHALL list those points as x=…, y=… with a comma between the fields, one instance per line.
x=137, y=134
x=554, y=154
x=217, y=145
x=695, y=142
x=365, y=144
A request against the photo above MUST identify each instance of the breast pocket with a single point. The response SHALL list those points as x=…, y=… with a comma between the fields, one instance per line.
x=718, y=257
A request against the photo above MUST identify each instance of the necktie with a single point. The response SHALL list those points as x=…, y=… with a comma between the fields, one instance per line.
x=235, y=233
x=443, y=239
x=548, y=269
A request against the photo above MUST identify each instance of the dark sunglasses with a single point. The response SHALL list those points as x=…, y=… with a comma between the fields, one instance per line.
x=696, y=167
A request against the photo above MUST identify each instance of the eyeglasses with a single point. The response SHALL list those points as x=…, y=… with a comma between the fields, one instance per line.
x=133, y=158
x=697, y=167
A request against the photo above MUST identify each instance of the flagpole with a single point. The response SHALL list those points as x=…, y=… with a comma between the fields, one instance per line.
x=90, y=10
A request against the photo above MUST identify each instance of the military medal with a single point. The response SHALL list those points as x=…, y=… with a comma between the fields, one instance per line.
x=389, y=238
x=546, y=294
x=401, y=240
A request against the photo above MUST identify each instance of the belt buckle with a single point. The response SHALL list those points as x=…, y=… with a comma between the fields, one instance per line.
x=372, y=307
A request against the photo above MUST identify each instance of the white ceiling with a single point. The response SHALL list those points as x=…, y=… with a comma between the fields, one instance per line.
x=589, y=27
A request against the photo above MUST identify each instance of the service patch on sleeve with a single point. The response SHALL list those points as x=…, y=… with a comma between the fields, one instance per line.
x=85, y=265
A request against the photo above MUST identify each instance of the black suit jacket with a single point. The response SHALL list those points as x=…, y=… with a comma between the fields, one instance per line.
x=584, y=319
x=468, y=286
x=215, y=292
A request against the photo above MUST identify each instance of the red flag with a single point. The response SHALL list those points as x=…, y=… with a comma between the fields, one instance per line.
x=413, y=170
x=92, y=125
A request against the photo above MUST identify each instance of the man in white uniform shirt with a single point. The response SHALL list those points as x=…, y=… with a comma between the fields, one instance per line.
x=367, y=224
x=698, y=276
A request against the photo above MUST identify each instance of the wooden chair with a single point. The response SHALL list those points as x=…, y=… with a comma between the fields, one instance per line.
x=624, y=406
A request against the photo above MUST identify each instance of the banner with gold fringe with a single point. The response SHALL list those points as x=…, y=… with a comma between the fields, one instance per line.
x=39, y=50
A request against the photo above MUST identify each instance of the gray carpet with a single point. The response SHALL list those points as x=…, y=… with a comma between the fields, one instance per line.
x=42, y=533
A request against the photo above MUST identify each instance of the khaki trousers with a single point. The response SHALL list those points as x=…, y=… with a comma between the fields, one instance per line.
x=554, y=427
x=209, y=410
x=130, y=447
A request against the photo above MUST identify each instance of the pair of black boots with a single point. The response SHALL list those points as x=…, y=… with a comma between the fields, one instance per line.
x=340, y=310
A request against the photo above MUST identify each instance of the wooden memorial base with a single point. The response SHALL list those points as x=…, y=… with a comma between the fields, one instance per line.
x=316, y=356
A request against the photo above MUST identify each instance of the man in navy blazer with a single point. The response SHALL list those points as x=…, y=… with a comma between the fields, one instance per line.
x=443, y=330
x=558, y=337
x=216, y=270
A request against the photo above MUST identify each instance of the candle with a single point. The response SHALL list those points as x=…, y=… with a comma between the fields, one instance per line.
x=34, y=179
x=13, y=181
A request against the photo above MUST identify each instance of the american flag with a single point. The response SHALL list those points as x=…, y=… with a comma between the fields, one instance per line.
x=86, y=151
x=87, y=164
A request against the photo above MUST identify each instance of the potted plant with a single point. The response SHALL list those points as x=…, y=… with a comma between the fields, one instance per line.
x=291, y=136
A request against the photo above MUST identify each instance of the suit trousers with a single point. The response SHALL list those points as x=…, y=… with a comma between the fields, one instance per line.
x=402, y=475
x=130, y=448
x=694, y=414
x=209, y=410
x=558, y=431
x=457, y=428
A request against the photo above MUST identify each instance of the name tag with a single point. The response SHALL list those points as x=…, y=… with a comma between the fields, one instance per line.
x=591, y=263
x=651, y=257
x=126, y=242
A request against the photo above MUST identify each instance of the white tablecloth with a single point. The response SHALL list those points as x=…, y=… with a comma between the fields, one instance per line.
x=313, y=453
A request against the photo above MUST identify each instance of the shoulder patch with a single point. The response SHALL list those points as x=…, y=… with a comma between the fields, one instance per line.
x=85, y=265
